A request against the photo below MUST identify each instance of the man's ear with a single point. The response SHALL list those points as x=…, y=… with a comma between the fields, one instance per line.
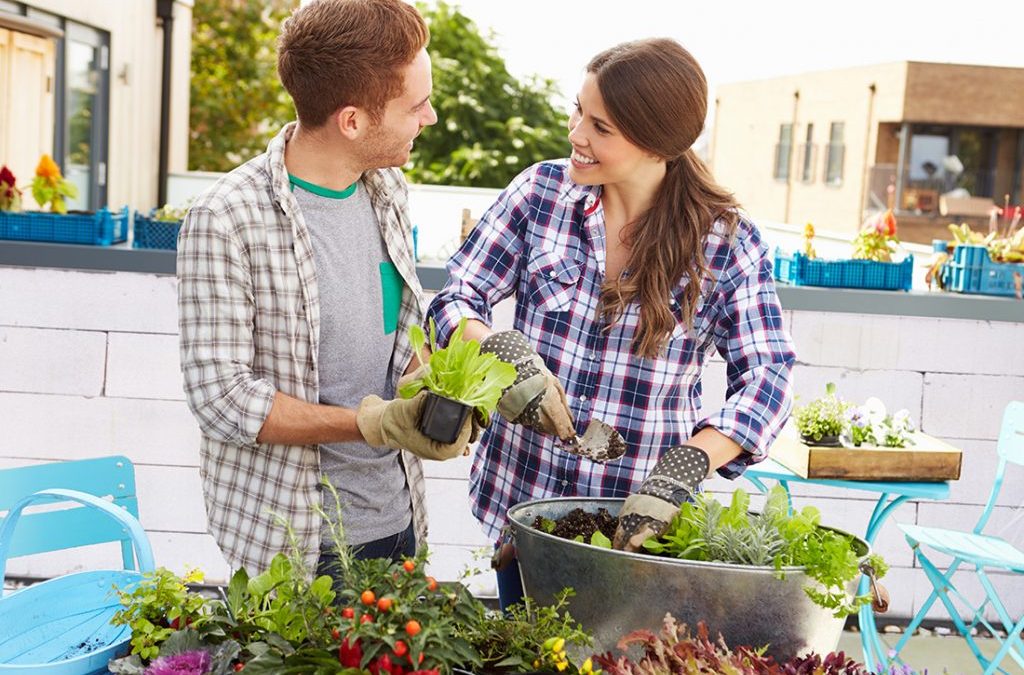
x=351, y=122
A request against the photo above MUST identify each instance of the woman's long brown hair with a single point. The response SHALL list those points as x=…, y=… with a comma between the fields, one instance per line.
x=656, y=94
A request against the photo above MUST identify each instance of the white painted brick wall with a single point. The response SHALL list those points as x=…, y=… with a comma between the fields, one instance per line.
x=89, y=366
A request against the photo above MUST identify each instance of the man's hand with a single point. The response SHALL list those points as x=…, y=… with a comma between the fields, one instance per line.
x=673, y=481
x=392, y=424
x=536, y=399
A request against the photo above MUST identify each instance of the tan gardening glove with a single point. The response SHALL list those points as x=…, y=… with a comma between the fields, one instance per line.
x=673, y=481
x=536, y=399
x=392, y=424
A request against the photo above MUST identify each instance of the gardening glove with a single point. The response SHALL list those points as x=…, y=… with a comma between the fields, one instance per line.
x=392, y=424
x=536, y=399
x=673, y=481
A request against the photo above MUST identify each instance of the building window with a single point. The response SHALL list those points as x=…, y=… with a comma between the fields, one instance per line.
x=834, y=156
x=76, y=109
x=807, y=170
x=783, y=151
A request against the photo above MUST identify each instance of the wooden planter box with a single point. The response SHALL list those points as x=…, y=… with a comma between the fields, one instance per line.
x=927, y=460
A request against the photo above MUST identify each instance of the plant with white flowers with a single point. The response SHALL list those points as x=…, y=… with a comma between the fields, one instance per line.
x=869, y=424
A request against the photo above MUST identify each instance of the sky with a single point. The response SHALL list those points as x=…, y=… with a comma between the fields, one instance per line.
x=739, y=41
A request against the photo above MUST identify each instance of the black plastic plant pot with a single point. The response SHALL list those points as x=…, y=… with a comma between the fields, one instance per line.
x=442, y=418
x=823, y=442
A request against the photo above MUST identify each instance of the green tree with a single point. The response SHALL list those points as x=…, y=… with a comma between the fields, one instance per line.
x=490, y=125
x=238, y=104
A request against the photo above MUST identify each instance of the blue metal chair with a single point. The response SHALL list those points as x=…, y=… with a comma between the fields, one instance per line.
x=985, y=552
x=62, y=626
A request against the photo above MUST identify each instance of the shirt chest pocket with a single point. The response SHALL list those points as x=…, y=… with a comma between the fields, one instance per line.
x=552, y=281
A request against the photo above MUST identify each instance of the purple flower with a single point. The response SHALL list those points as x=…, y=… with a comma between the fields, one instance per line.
x=186, y=663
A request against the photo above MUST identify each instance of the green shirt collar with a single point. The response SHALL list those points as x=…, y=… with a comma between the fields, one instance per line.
x=322, y=191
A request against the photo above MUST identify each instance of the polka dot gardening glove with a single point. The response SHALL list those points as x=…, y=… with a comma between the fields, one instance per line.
x=673, y=481
x=536, y=399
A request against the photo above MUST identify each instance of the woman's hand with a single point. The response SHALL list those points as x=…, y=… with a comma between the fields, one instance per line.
x=536, y=399
x=673, y=481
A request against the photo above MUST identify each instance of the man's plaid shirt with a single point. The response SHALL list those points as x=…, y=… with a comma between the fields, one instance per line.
x=543, y=241
x=249, y=316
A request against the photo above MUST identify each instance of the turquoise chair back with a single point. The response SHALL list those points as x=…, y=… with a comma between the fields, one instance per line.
x=1010, y=448
x=112, y=478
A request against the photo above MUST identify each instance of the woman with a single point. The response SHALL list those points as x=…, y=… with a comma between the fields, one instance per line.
x=627, y=263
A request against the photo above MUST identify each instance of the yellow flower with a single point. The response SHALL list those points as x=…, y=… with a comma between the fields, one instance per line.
x=561, y=665
x=587, y=666
x=559, y=645
x=809, y=230
x=47, y=168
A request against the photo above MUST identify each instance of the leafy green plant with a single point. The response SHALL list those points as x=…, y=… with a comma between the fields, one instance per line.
x=170, y=214
x=459, y=371
x=876, y=239
x=526, y=636
x=706, y=530
x=822, y=417
x=157, y=607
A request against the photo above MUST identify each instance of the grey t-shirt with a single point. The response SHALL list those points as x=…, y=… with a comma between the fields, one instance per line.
x=352, y=267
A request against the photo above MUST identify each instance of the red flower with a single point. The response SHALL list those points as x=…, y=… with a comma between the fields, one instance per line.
x=6, y=177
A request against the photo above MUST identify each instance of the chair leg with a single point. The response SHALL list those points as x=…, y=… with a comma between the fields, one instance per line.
x=1012, y=639
x=939, y=581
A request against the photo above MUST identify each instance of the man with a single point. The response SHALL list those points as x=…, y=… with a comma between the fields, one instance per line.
x=296, y=289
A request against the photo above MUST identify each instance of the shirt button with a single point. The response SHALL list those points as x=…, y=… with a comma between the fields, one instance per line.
x=565, y=483
x=583, y=399
x=552, y=274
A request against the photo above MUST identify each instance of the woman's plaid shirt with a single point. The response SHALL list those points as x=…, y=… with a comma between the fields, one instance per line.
x=543, y=241
x=249, y=316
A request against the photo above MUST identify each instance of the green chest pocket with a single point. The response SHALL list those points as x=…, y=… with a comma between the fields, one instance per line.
x=391, y=286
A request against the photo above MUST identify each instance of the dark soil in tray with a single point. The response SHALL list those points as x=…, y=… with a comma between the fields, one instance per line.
x=579, y=523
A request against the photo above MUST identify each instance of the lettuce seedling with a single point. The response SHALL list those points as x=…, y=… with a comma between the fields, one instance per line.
x=459, y=371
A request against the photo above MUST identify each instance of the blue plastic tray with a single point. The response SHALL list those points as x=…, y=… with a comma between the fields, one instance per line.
x=152, y=233
x=101, y=228
x=971, y=270
x=799, y=270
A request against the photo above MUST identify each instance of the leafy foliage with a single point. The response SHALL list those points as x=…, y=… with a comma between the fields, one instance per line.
x=459, y=371
x=510, y=640
x=237, y=102
x=490, y=124
x=156, y=607
x=876, y=239
x=707, y=530
x=822, y=417
x=49, y=187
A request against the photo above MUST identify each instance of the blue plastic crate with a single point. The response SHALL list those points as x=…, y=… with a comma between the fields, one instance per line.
x=971, y=270
x=797, y=269
x=101, y=228
x=152, y=233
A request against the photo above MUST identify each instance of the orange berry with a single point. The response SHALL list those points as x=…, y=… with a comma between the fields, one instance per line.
x=335, y=633
x=400, y=648
x=348, y=613
x=384, y=604
x=366, y=618
x=431, y=584
x=409, y=565
x=368, y=598
x=413, y=628
x=239, y=666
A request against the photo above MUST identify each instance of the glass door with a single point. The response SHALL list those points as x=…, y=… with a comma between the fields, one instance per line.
x=83, y=141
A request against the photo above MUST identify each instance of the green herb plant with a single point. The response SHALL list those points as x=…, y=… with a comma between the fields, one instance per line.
x=825, y=416
x=707, y=530
x=157, y=606
x=170, y=214
x=459, y=372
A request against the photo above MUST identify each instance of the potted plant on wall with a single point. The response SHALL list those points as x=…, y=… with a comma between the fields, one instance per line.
x=458, y=379
x=822, y=421
x=54, y=223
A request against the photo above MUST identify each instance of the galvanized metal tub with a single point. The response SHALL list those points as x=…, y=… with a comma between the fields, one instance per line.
x=619, y=592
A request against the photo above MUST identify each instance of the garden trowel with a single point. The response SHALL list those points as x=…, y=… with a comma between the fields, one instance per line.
x=599, y=443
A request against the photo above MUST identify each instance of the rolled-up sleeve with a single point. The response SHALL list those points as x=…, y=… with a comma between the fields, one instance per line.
x=216, y=313
x=750, y=336
x=484, y=271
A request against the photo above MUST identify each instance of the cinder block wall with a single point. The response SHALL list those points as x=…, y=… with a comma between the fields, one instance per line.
x=89, y=367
